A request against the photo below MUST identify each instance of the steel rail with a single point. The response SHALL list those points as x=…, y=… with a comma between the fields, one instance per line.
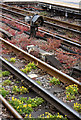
x=16, y=21
x=41, y=64
x=76, y=43
x=65, y=23
x=62, y=27
x=78, y=27
x=11, y=109
x=66, y=7
x=13, y=12
x=64, y=39
x=16, y=9
x=61, y=106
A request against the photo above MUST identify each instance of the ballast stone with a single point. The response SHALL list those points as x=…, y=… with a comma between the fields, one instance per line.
x=42, y=53
x=45, y=56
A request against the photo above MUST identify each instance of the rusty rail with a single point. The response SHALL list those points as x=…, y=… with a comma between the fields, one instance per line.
x=57, y=36
x=70, y=25
x=44, y=66
x=11, y=109
x=60, y=105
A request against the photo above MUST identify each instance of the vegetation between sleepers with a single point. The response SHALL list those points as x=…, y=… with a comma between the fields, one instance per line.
x=54, y=81
x=37, y=81
x=6, y=82
x=0, y=73
x=55, y=117
x=5, y=73
x=13, y=59
x=77, y=107
x=71, y=91
x=20, y=106
x=29, y=67
x=24, y=106
x=19, y=90
x=3, y=92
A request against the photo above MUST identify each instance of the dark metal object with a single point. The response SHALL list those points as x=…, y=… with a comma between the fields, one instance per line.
x=76, y=70
x=33, y=30
x=36, y=21
x=53, y=61
x=11, y=109
x=62, y=107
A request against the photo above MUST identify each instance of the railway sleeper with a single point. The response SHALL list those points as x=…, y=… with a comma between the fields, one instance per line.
x=76, y=70
x=6, y=34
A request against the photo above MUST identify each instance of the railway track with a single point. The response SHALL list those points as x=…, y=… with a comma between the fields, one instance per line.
x=57, y=36
x=44, y=66
x=10, y=19
x=58, y=23
x=54, y=101
x=65, y=28
x=15, y=114
x=71, y=113
x=66, y=39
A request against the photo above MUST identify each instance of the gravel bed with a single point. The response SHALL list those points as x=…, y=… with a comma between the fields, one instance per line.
x=44, y=78
x=66, y=59
x=37, y=111
x=58, y=17
x=4, y=114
